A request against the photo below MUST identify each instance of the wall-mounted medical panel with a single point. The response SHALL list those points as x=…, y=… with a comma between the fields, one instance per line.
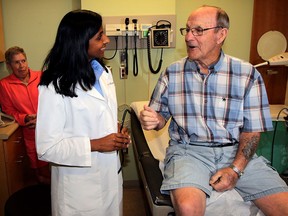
x=122, y=30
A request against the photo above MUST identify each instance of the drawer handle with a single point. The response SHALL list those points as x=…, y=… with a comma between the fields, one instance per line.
x=272, y=72
x=20, y=159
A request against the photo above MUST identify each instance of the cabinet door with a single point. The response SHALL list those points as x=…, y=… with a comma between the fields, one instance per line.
x=4, y=194
x=275, y=82
x=2, y=46
x=269, y=15
x=15, y=159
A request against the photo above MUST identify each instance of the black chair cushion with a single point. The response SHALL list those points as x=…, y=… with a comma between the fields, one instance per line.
x=33, y=200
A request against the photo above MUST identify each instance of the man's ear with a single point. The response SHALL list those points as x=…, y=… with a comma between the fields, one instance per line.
x=222, y=34
x=8, y=66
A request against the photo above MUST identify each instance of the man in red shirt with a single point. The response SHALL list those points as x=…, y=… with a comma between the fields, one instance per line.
x=19, y=98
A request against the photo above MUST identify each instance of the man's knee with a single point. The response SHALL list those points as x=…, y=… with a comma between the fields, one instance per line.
x=275, y=204
x=188, y=201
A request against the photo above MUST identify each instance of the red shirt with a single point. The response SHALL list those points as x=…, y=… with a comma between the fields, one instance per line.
x=18, y=99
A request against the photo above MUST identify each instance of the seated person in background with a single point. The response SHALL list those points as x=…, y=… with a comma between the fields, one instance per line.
x=19, y=98
x=218, y=106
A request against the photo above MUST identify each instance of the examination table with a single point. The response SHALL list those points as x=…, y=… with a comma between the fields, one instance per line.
x=149, y=149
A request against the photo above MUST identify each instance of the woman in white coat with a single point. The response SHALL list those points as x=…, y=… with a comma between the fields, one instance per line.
x=77, y=127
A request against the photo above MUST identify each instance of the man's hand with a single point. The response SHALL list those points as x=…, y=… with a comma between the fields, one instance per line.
x=224, y=179
x=150, y=119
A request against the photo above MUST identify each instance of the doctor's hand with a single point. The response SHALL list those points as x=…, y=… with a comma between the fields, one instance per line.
x=111, y=142
x=124, y=130
x=150, y=119
x=224, y=179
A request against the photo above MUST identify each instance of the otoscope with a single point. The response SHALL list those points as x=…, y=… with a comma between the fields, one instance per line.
x=126, y=48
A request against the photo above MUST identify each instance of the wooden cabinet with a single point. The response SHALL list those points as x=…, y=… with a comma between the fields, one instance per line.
x=270, y=15
x=16, y=161
x=2, y=46
x=14, y=170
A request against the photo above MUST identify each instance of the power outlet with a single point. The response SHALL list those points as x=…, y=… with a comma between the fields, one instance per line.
x=122, y=71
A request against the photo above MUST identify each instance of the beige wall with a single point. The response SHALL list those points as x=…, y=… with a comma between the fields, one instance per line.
x=141, y=87
x=32, y=24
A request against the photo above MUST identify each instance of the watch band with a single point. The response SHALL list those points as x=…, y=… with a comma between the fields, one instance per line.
x=235, y=169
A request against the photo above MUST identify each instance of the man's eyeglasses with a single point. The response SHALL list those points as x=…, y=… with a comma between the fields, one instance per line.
x=198, y=31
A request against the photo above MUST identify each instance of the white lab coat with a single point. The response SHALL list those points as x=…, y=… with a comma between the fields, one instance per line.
x=83, y=182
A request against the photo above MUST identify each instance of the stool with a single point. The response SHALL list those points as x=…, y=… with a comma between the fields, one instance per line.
x=33, y=200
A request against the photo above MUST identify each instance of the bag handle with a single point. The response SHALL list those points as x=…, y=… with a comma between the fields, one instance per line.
x=5, y=124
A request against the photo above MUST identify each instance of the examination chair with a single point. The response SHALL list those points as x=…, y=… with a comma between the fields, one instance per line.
x=149, y=171
x=149, y=150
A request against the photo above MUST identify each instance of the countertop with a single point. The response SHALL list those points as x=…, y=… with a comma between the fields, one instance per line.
x=275, y=109
x=6, y=132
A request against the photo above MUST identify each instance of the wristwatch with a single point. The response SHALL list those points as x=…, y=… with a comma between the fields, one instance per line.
x=235, y=169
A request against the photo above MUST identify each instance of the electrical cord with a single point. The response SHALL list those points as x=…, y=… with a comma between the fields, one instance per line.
x=126, y=47
x=274, y=133
x=149, y=55
x=135, y=58
x=165, y=24
x=123, y=118
x=116, y=49
x=123, y=150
